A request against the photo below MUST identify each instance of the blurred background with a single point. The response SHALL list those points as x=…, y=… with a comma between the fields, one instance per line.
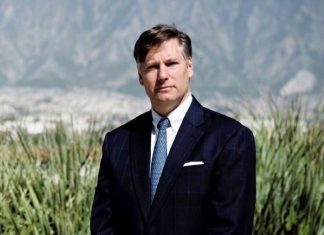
x=74, y=58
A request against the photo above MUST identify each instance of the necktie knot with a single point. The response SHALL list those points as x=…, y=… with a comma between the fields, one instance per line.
x=163, y=124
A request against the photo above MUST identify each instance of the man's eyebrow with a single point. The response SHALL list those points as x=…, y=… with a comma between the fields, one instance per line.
x=154, y=62
x=171, y=59
x=150, y=63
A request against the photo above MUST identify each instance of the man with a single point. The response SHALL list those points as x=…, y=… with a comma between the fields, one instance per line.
x=179, y=169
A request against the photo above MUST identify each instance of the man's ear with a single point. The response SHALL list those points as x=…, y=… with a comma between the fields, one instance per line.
x=190, y=68
x=140, y=79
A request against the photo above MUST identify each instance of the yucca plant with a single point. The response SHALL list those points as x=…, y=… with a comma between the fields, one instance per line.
x=290, y=174
x=47, y=181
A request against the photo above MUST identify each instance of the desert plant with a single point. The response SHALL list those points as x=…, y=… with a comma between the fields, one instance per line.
x=290, y=174
x=48, y=180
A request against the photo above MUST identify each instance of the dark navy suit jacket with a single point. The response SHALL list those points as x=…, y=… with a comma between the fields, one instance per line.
x=216, y=197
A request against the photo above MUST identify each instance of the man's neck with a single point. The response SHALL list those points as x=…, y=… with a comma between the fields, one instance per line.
x=164, y=108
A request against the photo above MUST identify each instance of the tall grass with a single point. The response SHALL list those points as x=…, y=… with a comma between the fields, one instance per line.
x=290, y=174
x=47, y=181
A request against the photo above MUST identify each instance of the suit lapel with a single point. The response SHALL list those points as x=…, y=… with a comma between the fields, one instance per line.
x=139, y=151
x=187, y=137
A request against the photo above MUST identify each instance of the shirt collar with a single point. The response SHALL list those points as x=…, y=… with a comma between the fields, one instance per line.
x=175, y=117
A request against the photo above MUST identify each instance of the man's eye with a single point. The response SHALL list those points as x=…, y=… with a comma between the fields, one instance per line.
x=172, y=63
x=151, y=67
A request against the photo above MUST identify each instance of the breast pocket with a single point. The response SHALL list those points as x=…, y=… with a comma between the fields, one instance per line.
x=193, y=181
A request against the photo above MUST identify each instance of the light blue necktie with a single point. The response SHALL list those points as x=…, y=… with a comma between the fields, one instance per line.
x=159, y=155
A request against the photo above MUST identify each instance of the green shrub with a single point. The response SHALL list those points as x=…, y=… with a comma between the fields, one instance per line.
x=48, y=180
x=290, y=175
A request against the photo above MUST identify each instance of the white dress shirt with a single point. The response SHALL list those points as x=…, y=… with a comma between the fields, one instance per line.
x=175, y=117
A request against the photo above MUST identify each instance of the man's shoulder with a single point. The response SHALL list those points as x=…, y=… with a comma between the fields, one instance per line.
x=137, y=123
x=220, y=117
x=223, y=122
x=212, y=118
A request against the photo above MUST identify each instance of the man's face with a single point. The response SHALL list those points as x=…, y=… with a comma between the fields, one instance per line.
x=165, y=75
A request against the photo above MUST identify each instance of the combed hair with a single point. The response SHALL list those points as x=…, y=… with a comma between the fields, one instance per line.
x=156, y=36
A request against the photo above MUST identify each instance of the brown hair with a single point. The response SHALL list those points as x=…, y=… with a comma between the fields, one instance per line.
x=157, y=35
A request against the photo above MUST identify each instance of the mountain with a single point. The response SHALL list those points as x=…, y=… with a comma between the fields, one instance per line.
x=241, y=48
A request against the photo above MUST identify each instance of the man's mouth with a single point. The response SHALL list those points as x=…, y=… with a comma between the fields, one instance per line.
x=163, y=88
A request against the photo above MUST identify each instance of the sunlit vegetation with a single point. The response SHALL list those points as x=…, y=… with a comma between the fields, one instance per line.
x=47, y=181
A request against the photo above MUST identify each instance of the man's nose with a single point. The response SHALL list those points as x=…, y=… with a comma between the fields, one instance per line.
x=163, y=74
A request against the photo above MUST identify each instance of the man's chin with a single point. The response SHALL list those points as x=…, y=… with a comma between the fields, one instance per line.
x=165, y=97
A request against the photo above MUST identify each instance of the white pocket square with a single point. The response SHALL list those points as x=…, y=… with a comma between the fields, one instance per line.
x=193, y=163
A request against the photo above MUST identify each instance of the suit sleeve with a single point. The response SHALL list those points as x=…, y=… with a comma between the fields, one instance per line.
x=234, y=187
x=101, y=215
